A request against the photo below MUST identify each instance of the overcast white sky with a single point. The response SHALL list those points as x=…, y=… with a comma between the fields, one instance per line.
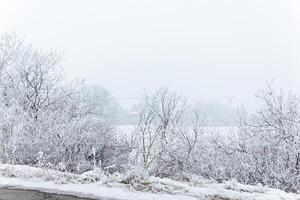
x=206, y=49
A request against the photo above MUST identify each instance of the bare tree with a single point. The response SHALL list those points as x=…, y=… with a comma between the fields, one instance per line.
x=164, y=141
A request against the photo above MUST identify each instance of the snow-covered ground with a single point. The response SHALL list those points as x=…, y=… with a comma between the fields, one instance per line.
x=95, y=184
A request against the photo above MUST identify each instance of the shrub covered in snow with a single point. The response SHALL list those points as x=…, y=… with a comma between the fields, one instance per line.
x=265, y=148
x=47, y=121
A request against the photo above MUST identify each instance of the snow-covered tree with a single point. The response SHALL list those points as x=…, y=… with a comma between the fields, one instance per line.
x=163, y=142
x=45, y=119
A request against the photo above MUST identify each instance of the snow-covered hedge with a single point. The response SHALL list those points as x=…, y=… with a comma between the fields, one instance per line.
x=47, y=121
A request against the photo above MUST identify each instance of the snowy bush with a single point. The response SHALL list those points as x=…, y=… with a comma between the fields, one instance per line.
x=49, y=122
x=264, y=150
x=163, y=144
x=46, y=120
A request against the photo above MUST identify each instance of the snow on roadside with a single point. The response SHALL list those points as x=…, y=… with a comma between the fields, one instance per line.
x=97, y=185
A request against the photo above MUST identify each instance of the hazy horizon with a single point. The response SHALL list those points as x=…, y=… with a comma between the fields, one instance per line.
x=206, y=50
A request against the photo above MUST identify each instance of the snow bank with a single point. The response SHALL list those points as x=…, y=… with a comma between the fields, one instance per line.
x=96, y=184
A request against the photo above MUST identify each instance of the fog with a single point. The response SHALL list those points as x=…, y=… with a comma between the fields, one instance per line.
x=151, y=99
x=207, y=50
